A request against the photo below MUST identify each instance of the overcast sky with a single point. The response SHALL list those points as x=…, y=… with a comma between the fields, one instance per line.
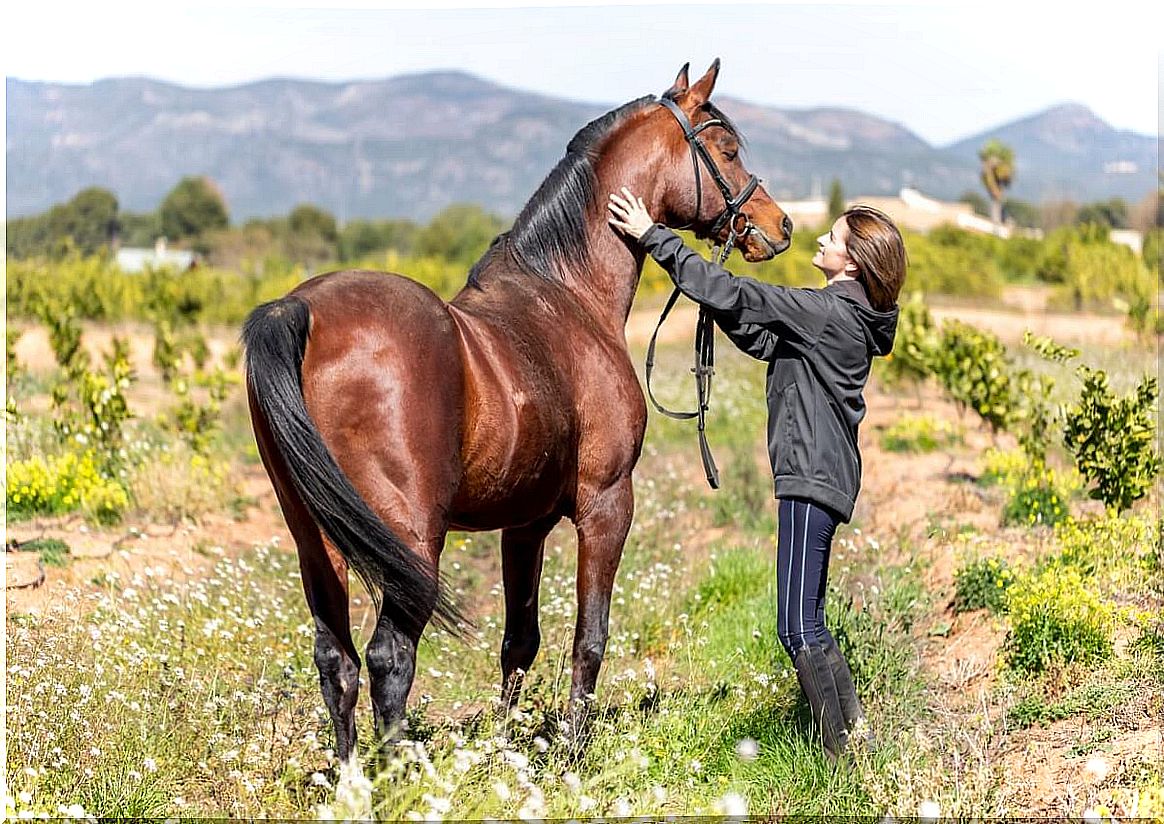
x=944, y=70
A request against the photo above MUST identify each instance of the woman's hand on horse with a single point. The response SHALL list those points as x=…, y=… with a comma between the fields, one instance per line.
x=628, y=214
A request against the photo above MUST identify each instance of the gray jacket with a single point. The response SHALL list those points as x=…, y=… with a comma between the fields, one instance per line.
x=819, y=345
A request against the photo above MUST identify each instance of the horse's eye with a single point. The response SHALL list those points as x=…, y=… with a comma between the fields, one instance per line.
x=730, y=154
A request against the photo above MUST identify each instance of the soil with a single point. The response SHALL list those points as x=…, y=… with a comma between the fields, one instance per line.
x=915, y=504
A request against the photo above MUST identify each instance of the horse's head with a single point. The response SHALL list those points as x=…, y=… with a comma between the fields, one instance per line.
x=762, y=229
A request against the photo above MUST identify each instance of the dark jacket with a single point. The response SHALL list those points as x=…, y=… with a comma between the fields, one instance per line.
x=819, y=345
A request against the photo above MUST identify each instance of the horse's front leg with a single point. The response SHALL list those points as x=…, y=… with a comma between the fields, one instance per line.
x=603, y=521
x=522, y=552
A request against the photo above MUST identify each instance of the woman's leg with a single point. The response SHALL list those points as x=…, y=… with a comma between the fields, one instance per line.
x=825, y=529
x=804, y=539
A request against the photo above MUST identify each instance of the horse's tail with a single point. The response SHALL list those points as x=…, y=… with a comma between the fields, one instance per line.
x=275, y=337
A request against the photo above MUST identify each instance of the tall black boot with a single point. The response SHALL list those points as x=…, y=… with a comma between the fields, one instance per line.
x=820, y=688
x=851, y=707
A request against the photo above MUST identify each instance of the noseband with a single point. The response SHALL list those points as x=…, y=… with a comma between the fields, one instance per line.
x=739, y=225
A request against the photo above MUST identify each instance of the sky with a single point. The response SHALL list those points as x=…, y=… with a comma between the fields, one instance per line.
x=945, y=70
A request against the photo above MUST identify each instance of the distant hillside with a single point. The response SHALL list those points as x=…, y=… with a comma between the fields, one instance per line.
x=408, y=146
x=1068, y=152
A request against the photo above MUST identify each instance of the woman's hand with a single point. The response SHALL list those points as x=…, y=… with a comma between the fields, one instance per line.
x=629, y=215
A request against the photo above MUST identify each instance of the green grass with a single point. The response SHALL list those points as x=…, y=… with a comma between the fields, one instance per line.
x=152, y=697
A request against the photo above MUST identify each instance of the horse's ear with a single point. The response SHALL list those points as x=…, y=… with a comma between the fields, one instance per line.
x=680, y=84
x=701, y=91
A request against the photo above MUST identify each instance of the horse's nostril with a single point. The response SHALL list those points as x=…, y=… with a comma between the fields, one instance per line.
x=787, y=226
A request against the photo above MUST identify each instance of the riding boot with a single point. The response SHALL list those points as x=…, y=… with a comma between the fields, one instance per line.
x=820, y=688
x=851, y=709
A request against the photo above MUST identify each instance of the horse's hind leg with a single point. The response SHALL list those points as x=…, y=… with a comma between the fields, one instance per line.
x=391, y=656
x=325, y=583
x=522, y=551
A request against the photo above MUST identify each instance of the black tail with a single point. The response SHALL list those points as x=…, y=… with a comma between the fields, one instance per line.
x=275, y=337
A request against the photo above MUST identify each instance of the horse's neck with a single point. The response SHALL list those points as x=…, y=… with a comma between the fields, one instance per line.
x=608, y=285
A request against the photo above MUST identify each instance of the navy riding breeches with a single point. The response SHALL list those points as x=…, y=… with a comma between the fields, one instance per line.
x=804, y=537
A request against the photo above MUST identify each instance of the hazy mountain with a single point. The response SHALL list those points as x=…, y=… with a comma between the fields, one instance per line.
x=1068, y=152
x=410, y=145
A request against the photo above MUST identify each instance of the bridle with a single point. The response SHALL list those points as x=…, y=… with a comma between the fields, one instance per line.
x=739, y=223
x=739, y=226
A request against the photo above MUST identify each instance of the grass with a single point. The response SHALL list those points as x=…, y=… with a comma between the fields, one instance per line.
x=147, y=696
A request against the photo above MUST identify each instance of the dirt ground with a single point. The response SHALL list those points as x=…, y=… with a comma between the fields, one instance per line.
x=911, y=502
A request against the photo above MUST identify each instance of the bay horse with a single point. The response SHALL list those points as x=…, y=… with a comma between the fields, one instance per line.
x=386, y=417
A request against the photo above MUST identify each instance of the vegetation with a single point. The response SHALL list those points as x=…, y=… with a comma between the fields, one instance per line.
x=142, y=693
x=997, y=173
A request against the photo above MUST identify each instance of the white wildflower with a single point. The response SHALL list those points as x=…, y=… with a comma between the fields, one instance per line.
x=747, y=749
x=929, y=811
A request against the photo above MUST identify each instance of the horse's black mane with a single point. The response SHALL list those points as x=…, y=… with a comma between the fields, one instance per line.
x=550, y=231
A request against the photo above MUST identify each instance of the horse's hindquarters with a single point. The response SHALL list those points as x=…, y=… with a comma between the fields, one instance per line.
x=383, y=381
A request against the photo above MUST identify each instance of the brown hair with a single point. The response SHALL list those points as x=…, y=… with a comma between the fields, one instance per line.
x=875, y=245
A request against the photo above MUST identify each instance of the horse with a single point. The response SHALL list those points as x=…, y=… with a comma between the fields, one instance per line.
x=385, y=416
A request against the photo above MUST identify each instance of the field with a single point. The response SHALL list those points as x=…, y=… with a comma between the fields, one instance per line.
x=163, y=666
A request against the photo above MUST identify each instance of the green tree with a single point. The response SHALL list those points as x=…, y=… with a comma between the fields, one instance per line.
x=997, y=173
x=1112, y=213
x=976, y=202
x=836, y=200
x=312, y=235
x=90, y=219
x=191, y=208
x=306, y=219
x=461, y=233
x=359, y=238
x=139, y=228
x=1022, y=212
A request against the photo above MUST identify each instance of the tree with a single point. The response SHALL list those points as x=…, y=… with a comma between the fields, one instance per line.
x=90, y=219
x=997, y=173
x=312, y=236
x=1112, y=213
x=191, y=208
x=836, y=200
x=460, y=232
x=976, y=202
x=1021, y=212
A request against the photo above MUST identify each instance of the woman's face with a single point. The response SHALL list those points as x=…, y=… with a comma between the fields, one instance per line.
x=832, y=254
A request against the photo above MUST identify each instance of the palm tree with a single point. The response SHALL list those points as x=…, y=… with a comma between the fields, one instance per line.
x=997, y=173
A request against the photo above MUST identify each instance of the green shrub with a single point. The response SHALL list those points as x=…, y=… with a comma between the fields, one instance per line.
x=975, y=370
x=952, y=261
x=1116, y=549
x=914, y=346
x=1038, y=497
x=70, y=482
x=1113, y=439
x=921, y=433
x=1091, y=270
x=1000, y=466
x=1055, y=618
x=982, y=584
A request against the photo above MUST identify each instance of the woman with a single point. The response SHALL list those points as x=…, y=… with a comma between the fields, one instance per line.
x=819, y=345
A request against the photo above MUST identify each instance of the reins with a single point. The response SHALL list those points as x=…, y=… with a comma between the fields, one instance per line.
x=704, y=366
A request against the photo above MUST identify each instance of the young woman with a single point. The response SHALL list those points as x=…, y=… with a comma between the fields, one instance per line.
x=819, y=345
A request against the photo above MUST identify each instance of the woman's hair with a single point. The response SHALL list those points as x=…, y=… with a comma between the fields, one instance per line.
x=875, y=245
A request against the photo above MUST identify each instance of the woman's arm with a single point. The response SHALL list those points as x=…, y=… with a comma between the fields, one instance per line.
x=740, y=301
x=750, y=338
x=788, y=312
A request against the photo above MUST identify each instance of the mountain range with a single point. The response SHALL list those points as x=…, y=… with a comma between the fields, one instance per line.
x=409, y=145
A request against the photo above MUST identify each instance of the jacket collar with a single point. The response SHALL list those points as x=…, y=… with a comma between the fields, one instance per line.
x=854, y=290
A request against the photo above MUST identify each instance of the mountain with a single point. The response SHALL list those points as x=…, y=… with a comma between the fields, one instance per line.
x=1068, y=152
x=407, y=146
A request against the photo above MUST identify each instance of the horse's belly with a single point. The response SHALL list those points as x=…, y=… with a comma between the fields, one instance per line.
x=513, y=473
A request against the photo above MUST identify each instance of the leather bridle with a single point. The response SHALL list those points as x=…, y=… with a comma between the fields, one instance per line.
x=739, y=223
x=739, y=226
